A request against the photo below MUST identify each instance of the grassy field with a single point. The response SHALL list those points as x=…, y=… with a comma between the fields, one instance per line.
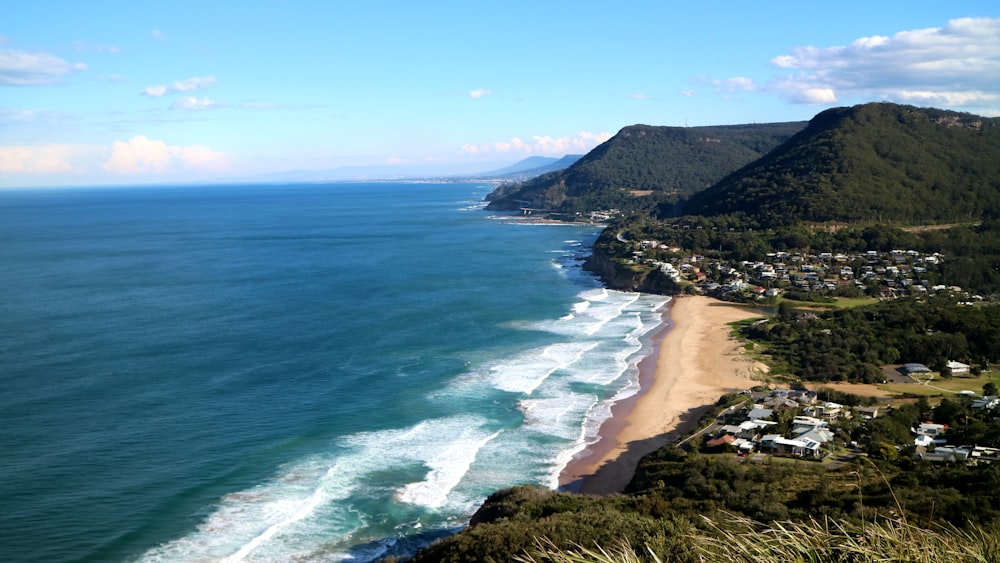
x=940, y=386
x=837, y=303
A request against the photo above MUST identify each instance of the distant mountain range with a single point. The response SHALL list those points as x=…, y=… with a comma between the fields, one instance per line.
x=519, y=171
x=531, y=167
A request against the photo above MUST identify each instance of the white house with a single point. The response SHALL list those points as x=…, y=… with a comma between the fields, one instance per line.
x=988, y=403
x=776, y=444
x=958, y=368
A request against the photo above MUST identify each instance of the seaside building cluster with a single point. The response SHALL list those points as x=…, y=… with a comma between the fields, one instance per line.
x=884, y=275
x=794, y=423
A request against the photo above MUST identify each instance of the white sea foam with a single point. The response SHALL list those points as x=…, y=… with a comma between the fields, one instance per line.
x=312, y=498
x=447, y=469
x=524, y=372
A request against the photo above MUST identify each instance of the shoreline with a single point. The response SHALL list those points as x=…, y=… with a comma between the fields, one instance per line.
x=694, y=362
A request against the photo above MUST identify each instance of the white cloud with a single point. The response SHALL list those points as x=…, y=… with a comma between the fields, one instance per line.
x=158, y=35
x=735, y=84
x=689, y=93
x=140, y=155
x=953, y=99
x=197, y=156
x=155, y=91
x=19, y=68
x=480, y=93
x=194, y=104
x=799, y=91
x=47, y=159
x=582, y=142
x=636, y=96
x=954, y=65
x=193, y=83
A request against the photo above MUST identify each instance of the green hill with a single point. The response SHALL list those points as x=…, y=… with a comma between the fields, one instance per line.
x=871, y=163
x=644, y=165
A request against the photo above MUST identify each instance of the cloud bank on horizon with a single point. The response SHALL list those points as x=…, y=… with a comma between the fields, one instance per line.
x=96, y=105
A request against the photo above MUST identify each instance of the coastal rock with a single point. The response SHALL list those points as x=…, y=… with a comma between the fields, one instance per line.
x=618, y=276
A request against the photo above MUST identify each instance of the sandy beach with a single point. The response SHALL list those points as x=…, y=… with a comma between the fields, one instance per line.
x=696, y=362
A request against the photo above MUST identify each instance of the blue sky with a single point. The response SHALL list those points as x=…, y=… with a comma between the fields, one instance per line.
x=133, y=92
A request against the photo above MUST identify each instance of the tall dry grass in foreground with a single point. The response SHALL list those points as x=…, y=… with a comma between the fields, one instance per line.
x=742, y=540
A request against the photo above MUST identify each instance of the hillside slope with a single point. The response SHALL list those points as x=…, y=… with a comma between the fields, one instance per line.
x=644, y=165
x=874, y=163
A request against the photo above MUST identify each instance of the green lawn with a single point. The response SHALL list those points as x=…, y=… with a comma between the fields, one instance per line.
x=837, y=303
x=949, y=386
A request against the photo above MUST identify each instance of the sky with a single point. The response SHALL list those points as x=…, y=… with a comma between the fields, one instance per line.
x=126, y=93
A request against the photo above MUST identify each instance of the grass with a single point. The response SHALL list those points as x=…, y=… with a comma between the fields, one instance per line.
x=910, y=389
x=736, y=539
x=939, y=386
x=740, y=539
x=835, y=303
x=849, y=302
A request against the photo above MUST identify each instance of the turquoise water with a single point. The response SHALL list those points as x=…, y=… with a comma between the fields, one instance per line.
x=264, y=373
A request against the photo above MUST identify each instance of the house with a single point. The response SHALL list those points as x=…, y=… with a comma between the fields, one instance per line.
x=929, y=433
x=750, y=429
x=931, y=429
x=730, y=429
x=827, y=410
x=943, y=454
x=958, y=368
x=915, y=369
x=780, y=403
x=820, y=435
x=981, y=454
x=989, y=403
x=808, y=421
x=759, y=413
x=778, y=445
x=724, y=440
x=803, y=424
x=867, y=413
x=802, y=396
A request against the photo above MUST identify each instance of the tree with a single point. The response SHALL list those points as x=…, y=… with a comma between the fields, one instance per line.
x=924, y=406
x=990, y=389
x=785, y=311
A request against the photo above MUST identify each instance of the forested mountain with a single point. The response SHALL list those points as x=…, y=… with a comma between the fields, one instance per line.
x=644, y=165
x=871, y=163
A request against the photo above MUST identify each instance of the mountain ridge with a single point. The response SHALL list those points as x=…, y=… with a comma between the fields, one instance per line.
x=869, y=163
x=645, y=165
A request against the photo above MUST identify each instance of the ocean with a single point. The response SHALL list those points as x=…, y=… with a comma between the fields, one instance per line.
x=290, y=372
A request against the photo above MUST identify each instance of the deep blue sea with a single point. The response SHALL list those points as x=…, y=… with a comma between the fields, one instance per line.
x=289, y=372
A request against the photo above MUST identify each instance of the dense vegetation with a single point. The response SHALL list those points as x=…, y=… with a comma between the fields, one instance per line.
x=869, y=163
x=644, y=166
x=852, y=344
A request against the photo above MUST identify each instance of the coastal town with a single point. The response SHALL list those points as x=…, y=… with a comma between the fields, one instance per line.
x=797, y=423
x=884, y=275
